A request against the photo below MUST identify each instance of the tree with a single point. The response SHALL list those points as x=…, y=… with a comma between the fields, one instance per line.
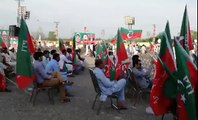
x=51, y=36
x=194, y=34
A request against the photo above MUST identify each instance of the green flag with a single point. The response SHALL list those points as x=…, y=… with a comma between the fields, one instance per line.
x=186, y=79
x=187, y=83
x=74, y=50
x=99, y=51
x=185, y=34
x=24, y=69
x=61, y=45
x=121, y=55
x=167, y=30
x=163, y=103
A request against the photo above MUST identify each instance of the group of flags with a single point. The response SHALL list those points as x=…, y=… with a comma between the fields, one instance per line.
x=114, y=67
x=175, y=81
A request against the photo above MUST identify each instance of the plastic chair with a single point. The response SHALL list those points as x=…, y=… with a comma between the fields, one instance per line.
x=39, y=88
x=98, y=93
x=138, y=91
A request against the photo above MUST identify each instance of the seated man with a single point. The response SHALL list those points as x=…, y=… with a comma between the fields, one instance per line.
x=81, y=59
x=64, y=61
x=7, y=59
x=77, y=66
x=12, y=54
x=142, y=74
x=46, y=57
x=53, y=67
x=108, y=87
x=51, y=79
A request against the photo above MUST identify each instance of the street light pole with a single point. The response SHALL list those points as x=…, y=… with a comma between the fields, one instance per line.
x=18, y=11
x=56, y=28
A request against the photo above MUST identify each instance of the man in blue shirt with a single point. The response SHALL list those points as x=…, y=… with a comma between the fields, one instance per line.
x=142, y=74
x=53, y=68
x=46, y=57
x=108, y=87
x=48, y=80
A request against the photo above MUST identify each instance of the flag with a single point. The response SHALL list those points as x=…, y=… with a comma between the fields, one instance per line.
x=24, y=69
x=187, y=84
x=121, y=55
x=167, y=30
x=108, y=66
x=113, y=41
x=73, y=50
x=151, y=48
x=101, y=51
x=130, y=34
x=121, y=51
x=2, y=43
x=185, y=34
x=61, y=45
x=158, y=101
x=2, y=82
x=98, y=51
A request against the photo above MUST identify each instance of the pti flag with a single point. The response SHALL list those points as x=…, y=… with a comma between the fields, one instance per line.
x=24, y=69
x=2, y=43
x=185, y=34
x=158, y=101
x=61, y=45
x=130, y=34
x=186, y=84
x=121, y=56
x=74, y=50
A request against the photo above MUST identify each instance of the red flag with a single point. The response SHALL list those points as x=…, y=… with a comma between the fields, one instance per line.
x=130, y=34
x=61, y=45
x=2, y=43
x=185, y=34
x=121, y=54
x=24, y=69
x=187, y=75
x=158, y=101
x=2, y=83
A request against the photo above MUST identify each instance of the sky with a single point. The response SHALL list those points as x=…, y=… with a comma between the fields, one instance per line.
x=99, y=15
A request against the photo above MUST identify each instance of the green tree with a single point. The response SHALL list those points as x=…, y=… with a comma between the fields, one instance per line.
x=194, y=34
x=51, y=36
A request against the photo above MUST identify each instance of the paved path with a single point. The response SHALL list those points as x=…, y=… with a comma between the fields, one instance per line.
x=16, y=106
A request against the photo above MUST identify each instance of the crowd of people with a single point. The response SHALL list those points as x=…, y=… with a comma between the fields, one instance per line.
x=50, y=67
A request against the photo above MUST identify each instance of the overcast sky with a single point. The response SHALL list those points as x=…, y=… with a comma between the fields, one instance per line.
x=98, y=15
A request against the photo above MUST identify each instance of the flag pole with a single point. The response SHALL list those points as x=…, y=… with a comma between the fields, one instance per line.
x=17, y=86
